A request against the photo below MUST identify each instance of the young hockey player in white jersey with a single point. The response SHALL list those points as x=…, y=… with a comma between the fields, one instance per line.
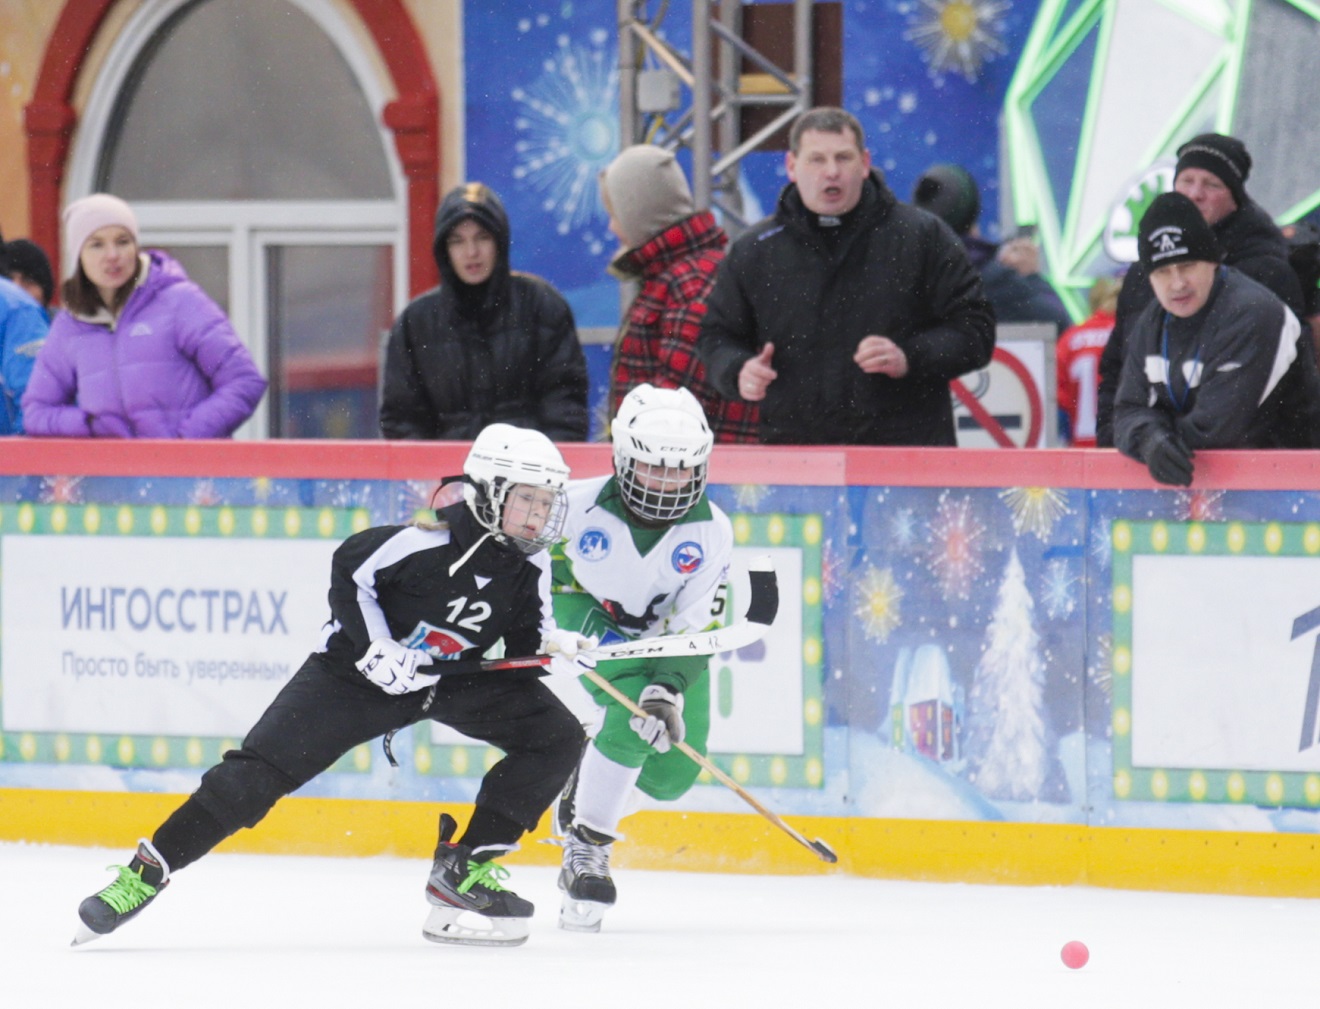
x=403, y=600
x=645, y=553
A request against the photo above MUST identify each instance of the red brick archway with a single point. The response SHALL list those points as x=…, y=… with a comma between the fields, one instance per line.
x=413, y=117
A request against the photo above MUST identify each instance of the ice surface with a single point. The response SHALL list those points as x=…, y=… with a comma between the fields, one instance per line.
x=267, y=931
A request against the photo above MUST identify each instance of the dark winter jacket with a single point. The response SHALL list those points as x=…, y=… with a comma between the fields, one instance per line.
x=1240, y=373
x=1015, y=298
x=463, y=356
x=1251, y=243
x=170, y=366
x=890, y=270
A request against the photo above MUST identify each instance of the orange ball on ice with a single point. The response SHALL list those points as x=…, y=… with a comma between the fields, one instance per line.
x=1074, y=954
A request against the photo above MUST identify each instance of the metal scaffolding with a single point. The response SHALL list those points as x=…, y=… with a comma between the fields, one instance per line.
x=652, y=74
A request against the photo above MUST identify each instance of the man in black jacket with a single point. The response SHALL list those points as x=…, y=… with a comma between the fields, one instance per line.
x=847, y=313
x=488, y=345
x=1215, y=361
x=1212, y=172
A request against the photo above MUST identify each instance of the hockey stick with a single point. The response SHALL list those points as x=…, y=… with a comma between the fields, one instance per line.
x=819, y=847
x=761, y=610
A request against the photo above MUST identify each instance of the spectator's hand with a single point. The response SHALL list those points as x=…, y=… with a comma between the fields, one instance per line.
x=1168, y=458
x=663, y=724
x=756, y=375
x=1020, y=255
x=393, y=668
x=879, y=355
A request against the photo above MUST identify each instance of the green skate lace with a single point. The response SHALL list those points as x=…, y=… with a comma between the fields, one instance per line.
x=488, y=874
x=128, y=891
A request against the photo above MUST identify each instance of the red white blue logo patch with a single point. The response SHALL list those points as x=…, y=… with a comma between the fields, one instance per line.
x=687, y=557
x=438, y=642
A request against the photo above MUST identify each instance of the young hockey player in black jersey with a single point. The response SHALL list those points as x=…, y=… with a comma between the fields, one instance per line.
x=403, y=599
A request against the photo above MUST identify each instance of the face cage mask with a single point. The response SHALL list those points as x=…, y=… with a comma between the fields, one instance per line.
x=664, y=504
x=551, y=531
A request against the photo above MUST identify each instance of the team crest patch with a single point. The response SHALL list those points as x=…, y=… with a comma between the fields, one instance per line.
x=687, y=557
x=437, y=642
x=594, y=545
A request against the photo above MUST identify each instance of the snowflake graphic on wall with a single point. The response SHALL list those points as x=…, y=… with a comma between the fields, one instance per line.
x=958, y=35
x=1057, y=593
x=877, y=608
x=568, y=129
x=955, y=550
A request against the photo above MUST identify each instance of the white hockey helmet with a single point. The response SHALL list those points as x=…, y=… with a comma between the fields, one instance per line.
x=665, y=431
x=502, y=457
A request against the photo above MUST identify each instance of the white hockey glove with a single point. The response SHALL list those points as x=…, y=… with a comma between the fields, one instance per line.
x=569, y=652
x=393, y=668
x=663, y=724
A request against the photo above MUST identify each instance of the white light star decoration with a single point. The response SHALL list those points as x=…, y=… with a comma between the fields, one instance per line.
x=903, y=527
x=878, y=604
x=958, y=36
x=60, y=490
x=955, y=551
x=568, y=130
x=1200, y=505
x=1035, y=509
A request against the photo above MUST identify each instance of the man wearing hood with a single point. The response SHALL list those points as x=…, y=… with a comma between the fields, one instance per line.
x=672, y=251
x=1212, y=172
x=847, y=313
x=488, y=345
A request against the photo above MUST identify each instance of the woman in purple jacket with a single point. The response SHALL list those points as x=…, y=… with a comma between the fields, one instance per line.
x=139, y=350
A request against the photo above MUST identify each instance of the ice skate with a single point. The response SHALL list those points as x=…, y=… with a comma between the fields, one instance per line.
x=468, y=903
x=133, y=889
x=585, y=879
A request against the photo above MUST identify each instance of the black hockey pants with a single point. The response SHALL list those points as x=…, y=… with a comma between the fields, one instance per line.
x=324, y=711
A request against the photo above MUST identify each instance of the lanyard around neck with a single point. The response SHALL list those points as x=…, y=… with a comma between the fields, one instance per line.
x=1179, y=402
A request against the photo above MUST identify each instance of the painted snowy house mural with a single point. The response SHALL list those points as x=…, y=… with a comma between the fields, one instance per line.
x=925, y=705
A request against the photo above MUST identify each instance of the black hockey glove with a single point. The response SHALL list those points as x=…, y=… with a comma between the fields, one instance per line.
x=1168, y=458
x=663, y=724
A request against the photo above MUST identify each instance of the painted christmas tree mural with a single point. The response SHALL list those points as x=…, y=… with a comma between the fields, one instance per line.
x=1007, y=745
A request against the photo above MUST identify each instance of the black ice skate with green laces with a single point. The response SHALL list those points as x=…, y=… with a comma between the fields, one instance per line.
x=469, y=903
x=135, y=886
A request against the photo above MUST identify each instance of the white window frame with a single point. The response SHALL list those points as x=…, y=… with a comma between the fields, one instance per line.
x=247, y=227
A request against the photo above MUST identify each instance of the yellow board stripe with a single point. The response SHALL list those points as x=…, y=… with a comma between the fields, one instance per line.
x=1276, y=865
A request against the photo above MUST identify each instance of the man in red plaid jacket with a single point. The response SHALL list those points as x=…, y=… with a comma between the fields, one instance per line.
x=673, y=252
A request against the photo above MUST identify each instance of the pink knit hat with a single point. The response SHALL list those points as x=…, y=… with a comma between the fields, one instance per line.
x=92, y=213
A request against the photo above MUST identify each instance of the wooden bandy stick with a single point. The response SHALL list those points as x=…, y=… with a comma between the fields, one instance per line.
x=818, y=847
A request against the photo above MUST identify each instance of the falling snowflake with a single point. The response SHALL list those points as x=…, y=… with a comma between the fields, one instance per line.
x=903, y=527
x=958, y=35
x=955, y=552
x=878, y=608
x=568, y=130
x=1057, y=593
x=1200, y=505
x=1035, y=509
x=60, y=490
x=750, y=495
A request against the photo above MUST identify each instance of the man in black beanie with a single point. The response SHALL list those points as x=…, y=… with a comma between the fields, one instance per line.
x=1215, y=361
x=27, y=265
x=1212, y=172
